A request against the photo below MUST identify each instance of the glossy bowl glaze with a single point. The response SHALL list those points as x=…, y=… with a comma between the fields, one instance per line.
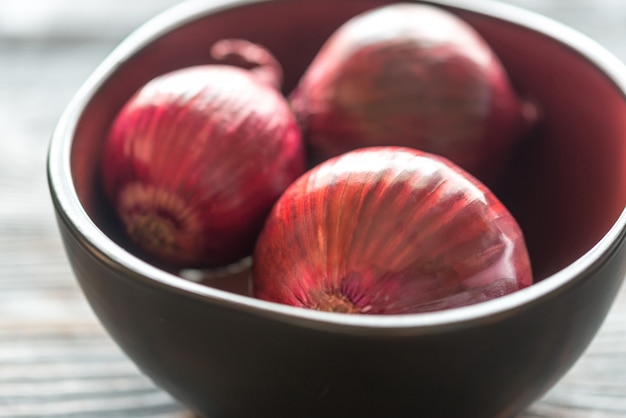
x=225, y=354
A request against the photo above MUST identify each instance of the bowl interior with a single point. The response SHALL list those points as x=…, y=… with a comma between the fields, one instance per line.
x=566, y=187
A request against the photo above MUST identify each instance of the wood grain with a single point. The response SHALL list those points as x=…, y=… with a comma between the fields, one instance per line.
x=55, y=358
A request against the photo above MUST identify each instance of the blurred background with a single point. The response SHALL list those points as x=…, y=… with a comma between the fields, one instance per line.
x=55, y=359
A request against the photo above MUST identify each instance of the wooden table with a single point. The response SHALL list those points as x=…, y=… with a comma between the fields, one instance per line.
x=55, y=358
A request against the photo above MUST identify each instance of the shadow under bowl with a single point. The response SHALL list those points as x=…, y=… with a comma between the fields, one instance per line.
x=225, y=354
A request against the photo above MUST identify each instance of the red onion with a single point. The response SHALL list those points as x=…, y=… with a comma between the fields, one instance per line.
x=388, y=230
x=196, y=158
x=412, y=75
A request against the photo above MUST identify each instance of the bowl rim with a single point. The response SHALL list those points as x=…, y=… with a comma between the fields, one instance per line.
x=73, y=216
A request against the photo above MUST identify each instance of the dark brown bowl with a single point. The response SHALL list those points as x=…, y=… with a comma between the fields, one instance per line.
x=226, y=354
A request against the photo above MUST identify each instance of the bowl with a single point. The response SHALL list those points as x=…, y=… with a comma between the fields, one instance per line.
x=226, y=354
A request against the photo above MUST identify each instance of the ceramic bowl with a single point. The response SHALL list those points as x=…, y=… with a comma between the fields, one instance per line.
x=225, y=354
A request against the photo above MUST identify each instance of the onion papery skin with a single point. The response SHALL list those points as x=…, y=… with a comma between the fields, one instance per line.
x=194, y=161
x=388, y=230
x=416, y=76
